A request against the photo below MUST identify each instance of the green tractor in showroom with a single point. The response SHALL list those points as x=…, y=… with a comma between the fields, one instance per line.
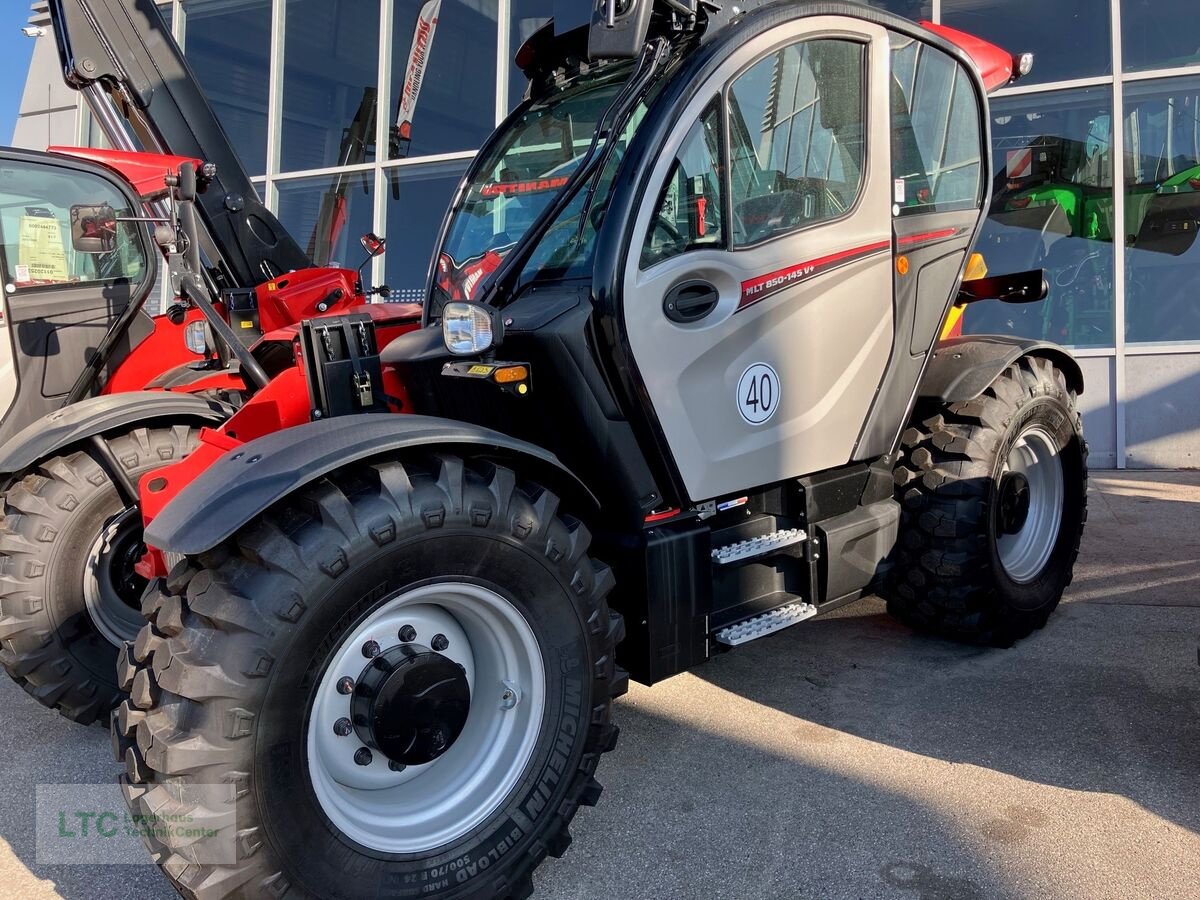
x=681, y=381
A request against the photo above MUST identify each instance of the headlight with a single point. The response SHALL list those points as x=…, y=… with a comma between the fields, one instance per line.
x=466, y=328
x=196, y=338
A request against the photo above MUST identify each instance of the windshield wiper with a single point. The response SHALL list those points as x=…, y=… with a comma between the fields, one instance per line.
x=493, y=291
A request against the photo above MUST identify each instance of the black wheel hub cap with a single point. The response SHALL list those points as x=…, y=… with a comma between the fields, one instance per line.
x=410, y=704
x=1013, y=507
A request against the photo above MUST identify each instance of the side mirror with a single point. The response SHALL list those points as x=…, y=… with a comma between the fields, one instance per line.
x=93, y=228
x=373, y=244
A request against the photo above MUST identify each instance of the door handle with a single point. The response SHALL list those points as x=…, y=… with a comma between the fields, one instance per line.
x=690, y=301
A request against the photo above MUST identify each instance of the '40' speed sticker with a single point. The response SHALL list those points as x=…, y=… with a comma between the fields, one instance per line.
x=758, y=394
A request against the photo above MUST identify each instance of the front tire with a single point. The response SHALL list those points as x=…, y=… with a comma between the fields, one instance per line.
x=69, y=596
x=994, y=502
x=265, y=660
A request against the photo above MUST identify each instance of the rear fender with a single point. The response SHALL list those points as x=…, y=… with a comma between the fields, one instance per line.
x=65, y=427
x=963, y=367
x=247, y=480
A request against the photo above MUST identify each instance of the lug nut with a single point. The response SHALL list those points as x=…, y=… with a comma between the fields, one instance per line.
x=342, y=727
x=408, y=634
x=370, y=649
x=396, y=766
x=362, y=756
x=439, y=642
x=345, y=685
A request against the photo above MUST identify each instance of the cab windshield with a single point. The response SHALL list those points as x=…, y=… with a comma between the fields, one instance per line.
x=517, y=179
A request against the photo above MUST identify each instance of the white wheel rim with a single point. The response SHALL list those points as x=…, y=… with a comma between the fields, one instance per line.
x=428, y=806
x=1025, y=552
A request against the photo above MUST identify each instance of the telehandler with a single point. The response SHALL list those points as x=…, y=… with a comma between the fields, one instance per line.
x=681, y=381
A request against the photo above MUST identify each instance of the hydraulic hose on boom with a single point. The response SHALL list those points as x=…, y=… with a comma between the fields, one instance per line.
x=121, y=56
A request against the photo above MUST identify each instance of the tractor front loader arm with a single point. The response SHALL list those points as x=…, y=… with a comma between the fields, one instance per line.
x=121, y=56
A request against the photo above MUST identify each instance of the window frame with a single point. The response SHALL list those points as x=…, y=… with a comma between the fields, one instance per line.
x=717, y=103
x=982, y=128
x=136, y=207
x=863, y=40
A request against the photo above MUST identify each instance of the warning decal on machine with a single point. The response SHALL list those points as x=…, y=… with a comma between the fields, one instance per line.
x=42, y=257
x=758, y=394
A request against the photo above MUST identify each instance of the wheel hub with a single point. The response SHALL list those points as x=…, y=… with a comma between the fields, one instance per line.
x=112, y=588
x=411, y=704
x=1014, y=502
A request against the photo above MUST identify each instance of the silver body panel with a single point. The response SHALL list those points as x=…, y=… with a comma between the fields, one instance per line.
x=828, y=337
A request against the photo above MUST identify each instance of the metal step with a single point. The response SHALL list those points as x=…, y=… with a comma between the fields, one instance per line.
x=759, y=546
x=767, y=623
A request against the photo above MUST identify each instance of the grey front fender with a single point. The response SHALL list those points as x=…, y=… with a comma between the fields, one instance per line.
x=100, y=415
x=246, y=481
x=962, y=368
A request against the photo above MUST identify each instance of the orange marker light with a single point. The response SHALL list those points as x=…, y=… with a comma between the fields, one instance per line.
x=902, y=265
x=509, y=374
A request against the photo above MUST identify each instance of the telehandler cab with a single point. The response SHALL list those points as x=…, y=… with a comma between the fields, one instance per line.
x=681, y=375
x=99, y=391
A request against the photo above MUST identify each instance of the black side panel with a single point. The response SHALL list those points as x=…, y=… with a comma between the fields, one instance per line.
x=125, y=47
x=962, y=368
x=99, y=415
x=570, y=410
x=245, y=482
x=856, y=545
x=935, y=247
x=665, y=593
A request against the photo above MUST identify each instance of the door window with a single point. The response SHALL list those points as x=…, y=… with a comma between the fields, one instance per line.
x=797, y=138
x=688, y=215
x=936, y=161
x=48, y=211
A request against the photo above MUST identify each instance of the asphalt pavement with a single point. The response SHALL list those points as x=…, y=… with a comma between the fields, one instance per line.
x=848, y=757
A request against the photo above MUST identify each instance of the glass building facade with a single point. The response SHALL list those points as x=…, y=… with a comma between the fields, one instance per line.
x=1096, y=162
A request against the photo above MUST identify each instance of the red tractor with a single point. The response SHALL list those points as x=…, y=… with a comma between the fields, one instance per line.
x=100, y=391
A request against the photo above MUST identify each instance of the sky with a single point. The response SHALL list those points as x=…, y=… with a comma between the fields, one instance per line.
x=15, y=50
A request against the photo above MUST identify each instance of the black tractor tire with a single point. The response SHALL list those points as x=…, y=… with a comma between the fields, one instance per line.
x=224, y=676
x=53, y=515
x=946, y=576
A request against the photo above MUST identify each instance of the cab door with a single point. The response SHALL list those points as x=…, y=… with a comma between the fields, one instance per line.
x=758, y=293
x=62, y=289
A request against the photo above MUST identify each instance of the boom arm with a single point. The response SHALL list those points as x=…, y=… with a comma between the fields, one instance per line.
x=121, y=55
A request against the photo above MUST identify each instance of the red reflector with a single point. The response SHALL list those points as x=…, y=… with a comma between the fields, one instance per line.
x=660, y=516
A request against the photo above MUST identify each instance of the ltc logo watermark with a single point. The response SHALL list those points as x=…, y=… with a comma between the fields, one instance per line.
x=89, y=824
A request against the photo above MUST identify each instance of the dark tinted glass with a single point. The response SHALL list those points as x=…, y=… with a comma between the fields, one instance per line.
x=1069, y=38
x=1162, y=210
x=331, y=67
x=228, y=46
x=796, y=138
x=935, y=131
x=328, y=214
x=418, y=202
x=1052, y=208
x=1159, y=34
x=456, y=104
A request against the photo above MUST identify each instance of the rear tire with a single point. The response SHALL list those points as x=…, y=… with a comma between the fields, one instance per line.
x=66, y=596
x=230, y=686
x=977, y=559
